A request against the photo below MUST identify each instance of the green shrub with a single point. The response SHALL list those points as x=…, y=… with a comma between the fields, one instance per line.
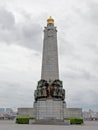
x=23, y=120
x=75, y=120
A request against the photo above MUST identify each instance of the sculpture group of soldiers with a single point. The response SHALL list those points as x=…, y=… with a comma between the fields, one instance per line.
x=49, y=90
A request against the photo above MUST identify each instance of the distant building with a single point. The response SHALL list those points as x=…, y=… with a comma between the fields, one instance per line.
x=7, y=113
x=2, y=110
x=90, y=115
x=9, y=110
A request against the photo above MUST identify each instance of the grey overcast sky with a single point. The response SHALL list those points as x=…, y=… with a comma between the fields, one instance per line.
x=21, y=40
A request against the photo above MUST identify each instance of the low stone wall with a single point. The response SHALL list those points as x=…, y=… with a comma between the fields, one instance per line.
x=68, y=112
x=26, y=112
x=73, y=112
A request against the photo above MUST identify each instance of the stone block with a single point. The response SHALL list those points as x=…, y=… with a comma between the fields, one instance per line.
x=49, y=109
x=32, y=121
x=67, y=122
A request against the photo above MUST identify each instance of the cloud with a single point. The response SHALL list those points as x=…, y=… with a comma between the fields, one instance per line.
x=24, y=34
x=19, y=73
x=7, y=20
x=93, y=15
x=15, y=92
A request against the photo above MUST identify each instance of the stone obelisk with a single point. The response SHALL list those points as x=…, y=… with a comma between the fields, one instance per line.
x=49, y=95
x=50, y=70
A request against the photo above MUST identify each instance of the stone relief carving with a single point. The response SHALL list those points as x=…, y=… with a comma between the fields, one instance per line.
x=51, y=89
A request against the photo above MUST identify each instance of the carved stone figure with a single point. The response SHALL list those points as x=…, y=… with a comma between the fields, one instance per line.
x=63, y=94
x=51, y=89
x=35, y=94
x=60, y=92
x=39, y=92
x=54, y=91
x=44, y=91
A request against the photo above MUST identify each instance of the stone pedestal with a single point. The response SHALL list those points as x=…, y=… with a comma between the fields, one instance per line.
x=49, y=109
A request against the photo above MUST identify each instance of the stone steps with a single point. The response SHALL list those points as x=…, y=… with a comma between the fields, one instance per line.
x=50, y=122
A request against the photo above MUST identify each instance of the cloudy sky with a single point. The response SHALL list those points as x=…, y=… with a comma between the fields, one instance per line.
x=21, y=40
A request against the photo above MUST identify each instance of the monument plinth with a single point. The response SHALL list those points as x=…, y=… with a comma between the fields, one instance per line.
x=50, y=95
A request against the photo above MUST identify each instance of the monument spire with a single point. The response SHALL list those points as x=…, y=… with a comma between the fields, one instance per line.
x=49, y=95
x=50, y=70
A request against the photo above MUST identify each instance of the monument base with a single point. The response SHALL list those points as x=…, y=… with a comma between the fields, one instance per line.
x=49, y=122
x=49, y=109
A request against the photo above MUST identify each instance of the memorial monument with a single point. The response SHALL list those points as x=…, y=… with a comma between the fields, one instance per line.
x=50, y=95
x=49, y=104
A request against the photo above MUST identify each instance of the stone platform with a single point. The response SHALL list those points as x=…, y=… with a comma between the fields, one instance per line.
x=49, y=122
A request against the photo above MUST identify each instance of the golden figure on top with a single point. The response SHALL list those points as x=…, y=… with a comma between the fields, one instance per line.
x=50, y=20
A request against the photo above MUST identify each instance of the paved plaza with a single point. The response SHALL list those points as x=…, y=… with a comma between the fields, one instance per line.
x=10, y=125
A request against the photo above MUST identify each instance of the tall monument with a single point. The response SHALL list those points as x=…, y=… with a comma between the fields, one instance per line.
x=49, y=104
x=49, y=95
x=50, y=70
